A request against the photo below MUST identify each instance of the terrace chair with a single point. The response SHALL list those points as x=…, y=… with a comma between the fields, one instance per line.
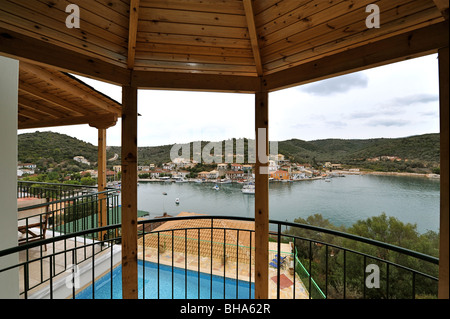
x=38, y=220
x=274, y=262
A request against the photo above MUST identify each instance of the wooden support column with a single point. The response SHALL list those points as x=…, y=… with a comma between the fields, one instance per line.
x=101, y=179
x=444, y=136
x=102, y=124
x=129, y=193
x=262, y=193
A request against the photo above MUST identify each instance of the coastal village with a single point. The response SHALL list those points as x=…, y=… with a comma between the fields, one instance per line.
x=181, y=170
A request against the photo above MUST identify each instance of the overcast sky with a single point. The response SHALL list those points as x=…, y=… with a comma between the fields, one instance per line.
x=397, y=100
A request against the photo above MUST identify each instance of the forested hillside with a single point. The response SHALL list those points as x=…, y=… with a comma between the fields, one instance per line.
x=416, y=153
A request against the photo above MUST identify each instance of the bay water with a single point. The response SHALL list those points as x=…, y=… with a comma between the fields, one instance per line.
x=343, y=200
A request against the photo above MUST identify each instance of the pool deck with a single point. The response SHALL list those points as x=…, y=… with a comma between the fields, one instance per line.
x=229, y=269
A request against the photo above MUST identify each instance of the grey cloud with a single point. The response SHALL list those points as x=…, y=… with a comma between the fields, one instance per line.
x=336, y=124
x=339, y=84
x=415, y=98
x=388, y=122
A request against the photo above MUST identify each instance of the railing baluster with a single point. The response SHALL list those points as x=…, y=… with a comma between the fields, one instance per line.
x=250, y=268
x=293, y=293
x=278, y=256
x=158, y=264
x=310, y=267
x=224, y=260
x=198, y=263
x=173, y=284
x=345, y=272
x=364, y=278
x=326, y=271
x=387, y=280
x=211, y=261
x=185, y=263
x=237, y=264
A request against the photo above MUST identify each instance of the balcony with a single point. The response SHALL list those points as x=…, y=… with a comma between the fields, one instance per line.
x=201, y=257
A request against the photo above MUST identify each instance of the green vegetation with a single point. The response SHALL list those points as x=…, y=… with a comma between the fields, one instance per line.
x=381, y=228
x=55, y=152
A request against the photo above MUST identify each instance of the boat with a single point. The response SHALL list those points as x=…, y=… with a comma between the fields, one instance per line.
x=248, y=188
x=177, y=201
x=216, y=187
x=225, y=181
x=327, y=180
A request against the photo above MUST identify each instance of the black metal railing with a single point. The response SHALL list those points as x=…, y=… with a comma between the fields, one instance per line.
x=62, y=215
x=203, y=257
x=29, y=189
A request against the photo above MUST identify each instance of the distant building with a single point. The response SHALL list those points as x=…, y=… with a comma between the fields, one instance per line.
x=280, y=175
x=234, y=175
x=81, y=159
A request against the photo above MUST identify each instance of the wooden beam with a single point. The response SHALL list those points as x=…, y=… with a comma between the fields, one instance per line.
x=53, y=99
x=262, y=193
x=444, y=172
x=75, y=120
x=411, y=44
x=129, y=193
x=24, y=48
x=248, y=7
x=194, y=82
x=132, y=32
x=442, y=6
x=49, y=77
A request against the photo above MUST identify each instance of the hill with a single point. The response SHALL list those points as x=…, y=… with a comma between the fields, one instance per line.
x=411, y=153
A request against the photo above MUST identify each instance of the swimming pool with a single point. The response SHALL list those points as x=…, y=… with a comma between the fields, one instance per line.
x=185, y=285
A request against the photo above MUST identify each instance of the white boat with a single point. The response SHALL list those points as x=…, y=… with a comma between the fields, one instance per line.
x=248, y=189
x=177, y=201
x=216, y=187
x=225, y=181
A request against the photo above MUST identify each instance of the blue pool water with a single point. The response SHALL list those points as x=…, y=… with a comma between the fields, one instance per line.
x=182, y=283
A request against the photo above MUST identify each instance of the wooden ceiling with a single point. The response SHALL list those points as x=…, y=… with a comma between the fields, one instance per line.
x=218, y=44
x=48, y=97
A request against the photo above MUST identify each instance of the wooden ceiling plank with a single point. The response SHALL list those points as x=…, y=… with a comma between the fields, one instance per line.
x=193, y=40
x=23, y=47
x=91, y=23
x=52, y=98
x=344, y=27
x=39, y=107
x=336, y=40
x=442, y=6
x=31, y=114
x=404, y=46
x=132, y=32
x=48, y=28
x=343, y=11
x=193, y=29
x=142, y=48
x=70, y=88
x=193, y=17
x=248, y=7
x=194, y=58
x=213, y=6
x=285, y=10
x=304, y=10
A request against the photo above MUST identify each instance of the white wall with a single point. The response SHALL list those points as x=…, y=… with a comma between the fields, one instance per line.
x=9, y=79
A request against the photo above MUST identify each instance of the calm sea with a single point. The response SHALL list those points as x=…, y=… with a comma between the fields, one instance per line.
x=343, y=200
